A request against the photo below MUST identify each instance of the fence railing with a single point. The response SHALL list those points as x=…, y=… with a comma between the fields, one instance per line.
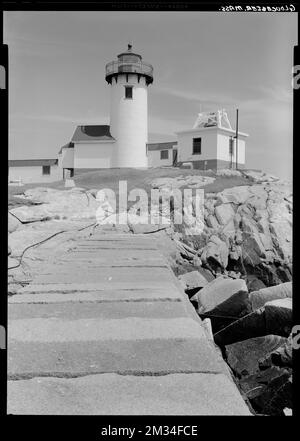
x=121, y=66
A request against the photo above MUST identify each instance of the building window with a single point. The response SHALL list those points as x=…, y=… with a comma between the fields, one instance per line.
x=164, y=154
x=128, y=92
x=196, y=146
x=46, y=169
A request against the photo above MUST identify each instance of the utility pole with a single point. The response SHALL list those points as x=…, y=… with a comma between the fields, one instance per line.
x=236, y=137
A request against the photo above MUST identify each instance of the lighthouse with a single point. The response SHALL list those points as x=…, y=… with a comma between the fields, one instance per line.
x=129, y=78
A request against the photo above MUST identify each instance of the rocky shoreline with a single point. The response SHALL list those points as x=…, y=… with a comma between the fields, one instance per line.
x=236, y=269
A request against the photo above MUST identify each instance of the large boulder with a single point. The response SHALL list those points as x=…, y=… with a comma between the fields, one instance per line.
x=34, y=234
x=261, y=297
x=273, y=318
x=195, y=181
x=219, y=291
x=281, y=356
x=254, y=284
x=215, y=252
x=234, y=195
x=39, y=193
x=252, y=244
x=74, y=204
x=250, y=326
x=168, y=182
x=209, y=203
x=280, y=219
x=252, y=248
x=279, y=316
x=12, y=263
x=228, y=311
x=192, y=280
x=243, y=357
x=229, y=230
x=228, y=172
x=282, y=237
x=224, y=213
x=276, y=396
x=268, y=391
x=13, y=223
x=212, y=222
x=28, y=214
x=185, y=250
x=255, y=223
x=198, y=181
x=253, y=385
x=259, y=176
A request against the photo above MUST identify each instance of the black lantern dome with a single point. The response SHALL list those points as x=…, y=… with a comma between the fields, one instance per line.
x=129, y=62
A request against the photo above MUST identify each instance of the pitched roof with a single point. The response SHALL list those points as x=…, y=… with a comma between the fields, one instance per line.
x=92, y=134
x=161, y=145
x=66, y=146
x=30, y=162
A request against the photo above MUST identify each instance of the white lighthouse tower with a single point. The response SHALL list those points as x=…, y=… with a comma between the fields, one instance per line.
x=129, y=78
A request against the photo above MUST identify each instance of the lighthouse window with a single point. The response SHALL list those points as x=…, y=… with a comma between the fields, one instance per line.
x=128, y=92
x=196, y=146
x=164, y=154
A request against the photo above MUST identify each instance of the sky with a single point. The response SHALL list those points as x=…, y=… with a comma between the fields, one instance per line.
x=206, y=60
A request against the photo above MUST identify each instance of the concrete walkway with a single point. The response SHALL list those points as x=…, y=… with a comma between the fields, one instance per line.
x=106, y=329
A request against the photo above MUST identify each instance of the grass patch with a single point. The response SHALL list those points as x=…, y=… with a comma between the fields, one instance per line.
x=223, y=182
x=109, y=178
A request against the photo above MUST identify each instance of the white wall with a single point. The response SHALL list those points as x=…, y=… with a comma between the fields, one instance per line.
x=155, y=161
x=129, y=122
x=96, y=155
x=223, y=149
x=32, y=174
x=66, y=158
x=208, y=145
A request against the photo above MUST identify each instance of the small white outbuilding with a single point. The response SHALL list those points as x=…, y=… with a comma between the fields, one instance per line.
x=26, y=171
x=212, y=143
x=162, y=154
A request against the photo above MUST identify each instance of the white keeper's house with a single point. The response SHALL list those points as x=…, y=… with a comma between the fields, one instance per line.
x=210, y=144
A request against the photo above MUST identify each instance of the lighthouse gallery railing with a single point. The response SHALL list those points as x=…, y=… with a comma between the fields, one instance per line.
x=121, y=66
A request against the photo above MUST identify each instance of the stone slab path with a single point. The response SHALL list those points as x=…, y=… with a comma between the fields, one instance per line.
x=106, y=329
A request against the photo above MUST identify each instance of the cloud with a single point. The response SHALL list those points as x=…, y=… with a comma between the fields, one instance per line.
x=276, y=93
x=85, y=118
x=207, y=97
